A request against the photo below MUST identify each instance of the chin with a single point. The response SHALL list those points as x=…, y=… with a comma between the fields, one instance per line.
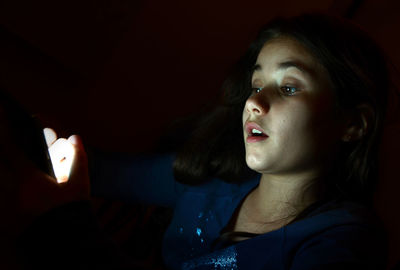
x=255, y=163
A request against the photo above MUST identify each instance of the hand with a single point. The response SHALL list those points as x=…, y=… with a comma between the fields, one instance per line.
x=61, y=153
x=27, y=192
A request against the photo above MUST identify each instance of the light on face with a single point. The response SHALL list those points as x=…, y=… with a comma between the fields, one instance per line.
x=62, y=154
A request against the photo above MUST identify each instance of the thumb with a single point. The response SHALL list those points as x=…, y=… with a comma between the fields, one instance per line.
x=79, y=175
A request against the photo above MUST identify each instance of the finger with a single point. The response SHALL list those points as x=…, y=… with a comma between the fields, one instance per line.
x=80, y=161
x=79, y=176
x=50, y=136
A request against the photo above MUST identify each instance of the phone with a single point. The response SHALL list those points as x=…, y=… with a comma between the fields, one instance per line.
x=28, y=132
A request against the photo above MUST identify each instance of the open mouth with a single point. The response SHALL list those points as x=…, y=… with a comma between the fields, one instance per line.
x=253, y=129
x=255, y=132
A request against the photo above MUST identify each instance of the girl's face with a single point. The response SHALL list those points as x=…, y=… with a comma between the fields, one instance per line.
x=293, y=105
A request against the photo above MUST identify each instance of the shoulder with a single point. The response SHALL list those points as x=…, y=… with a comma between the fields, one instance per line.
x=339, y=234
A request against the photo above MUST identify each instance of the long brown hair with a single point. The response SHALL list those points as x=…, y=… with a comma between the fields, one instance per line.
x=358, y=70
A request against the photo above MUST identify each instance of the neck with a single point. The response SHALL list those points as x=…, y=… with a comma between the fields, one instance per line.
x=281, y=198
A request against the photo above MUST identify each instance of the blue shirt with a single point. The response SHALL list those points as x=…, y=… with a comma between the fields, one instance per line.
x=335, y=235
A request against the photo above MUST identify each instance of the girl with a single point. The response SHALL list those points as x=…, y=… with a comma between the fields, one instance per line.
x=304, y=109
x=281, y=175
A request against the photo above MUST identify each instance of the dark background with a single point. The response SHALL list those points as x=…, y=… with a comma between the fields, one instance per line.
x=118, y=72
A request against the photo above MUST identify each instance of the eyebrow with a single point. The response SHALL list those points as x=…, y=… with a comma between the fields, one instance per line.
x=287, y=64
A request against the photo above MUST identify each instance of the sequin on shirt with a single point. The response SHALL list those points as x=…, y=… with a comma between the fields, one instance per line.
x=225, y=259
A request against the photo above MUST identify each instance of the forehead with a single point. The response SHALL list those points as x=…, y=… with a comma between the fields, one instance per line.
x=285, y=47
x=288, y=50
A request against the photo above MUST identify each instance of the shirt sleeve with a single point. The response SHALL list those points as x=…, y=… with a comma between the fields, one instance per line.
x=344, y=247
x=146, y=179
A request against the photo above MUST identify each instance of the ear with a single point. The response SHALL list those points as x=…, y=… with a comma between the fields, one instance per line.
x=358, y=123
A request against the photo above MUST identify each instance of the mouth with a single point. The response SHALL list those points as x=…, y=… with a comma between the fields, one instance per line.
x=254, y=132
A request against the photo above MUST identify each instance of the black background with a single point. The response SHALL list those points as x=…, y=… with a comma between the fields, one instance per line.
x=118, y=72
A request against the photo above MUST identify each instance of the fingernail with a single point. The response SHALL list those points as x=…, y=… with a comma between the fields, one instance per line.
x=73, y=139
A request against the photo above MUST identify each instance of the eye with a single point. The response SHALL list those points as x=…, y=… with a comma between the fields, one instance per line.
x=256, y=89
x=289, y=90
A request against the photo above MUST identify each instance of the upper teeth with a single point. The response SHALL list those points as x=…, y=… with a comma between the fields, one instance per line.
x=256, y=131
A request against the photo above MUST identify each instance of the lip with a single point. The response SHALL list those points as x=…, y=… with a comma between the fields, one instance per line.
x=250, y=139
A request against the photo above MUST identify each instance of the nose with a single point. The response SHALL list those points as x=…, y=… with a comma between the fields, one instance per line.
x=257, y=105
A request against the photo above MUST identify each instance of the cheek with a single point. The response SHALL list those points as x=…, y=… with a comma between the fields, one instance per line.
x=316, y=111
x=325, y=121
x=312, y=128
x=245, y=115
x=290, y=119
x=296, y=127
